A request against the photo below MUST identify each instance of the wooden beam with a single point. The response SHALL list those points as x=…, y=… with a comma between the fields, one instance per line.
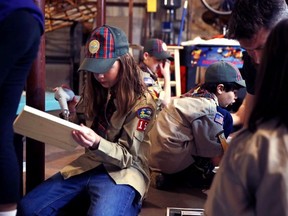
x=130, y=28
x=126, y=4
x=101, y=12
x=35, y=96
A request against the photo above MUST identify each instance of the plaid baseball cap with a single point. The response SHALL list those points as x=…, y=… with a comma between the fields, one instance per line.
x=158, y=49
x=223, y=71
x=105, y=45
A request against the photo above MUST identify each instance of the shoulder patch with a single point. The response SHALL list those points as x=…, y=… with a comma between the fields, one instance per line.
x=149, y=81
x=144, y=113
x=219, y=118
x=142, y=125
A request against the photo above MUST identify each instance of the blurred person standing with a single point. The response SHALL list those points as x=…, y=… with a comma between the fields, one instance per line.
x=21, y=27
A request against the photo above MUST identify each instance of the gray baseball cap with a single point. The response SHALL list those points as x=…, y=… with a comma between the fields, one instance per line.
x=223, y=71
x=157, y=48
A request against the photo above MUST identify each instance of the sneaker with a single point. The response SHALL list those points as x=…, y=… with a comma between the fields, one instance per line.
x=198, y=179
x=160, y=181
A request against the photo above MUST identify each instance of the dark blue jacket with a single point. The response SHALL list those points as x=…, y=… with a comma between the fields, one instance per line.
x=228, y=121
x=8, y=6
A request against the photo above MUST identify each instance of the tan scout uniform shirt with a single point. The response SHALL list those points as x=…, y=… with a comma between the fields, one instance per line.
x=253, y=176
x=126, y=159
x=153, y=86
x=186, y=127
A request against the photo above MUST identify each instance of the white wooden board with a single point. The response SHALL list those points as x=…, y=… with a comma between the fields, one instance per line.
x=46, y=128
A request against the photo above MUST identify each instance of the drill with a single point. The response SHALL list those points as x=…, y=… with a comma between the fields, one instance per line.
x=63, y=95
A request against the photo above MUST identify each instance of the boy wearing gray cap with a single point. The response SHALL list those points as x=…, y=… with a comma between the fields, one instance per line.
x=156, y=58
x=187, y=139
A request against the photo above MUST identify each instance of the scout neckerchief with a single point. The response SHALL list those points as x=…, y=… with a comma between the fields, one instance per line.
x=144, y=68
x=102, y=121
x=199, y=92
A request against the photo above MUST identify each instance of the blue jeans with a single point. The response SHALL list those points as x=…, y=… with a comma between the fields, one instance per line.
x=19, y=43
x=92, y=193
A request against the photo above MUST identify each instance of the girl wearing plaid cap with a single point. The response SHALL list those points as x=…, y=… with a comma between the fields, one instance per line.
x=112, y=176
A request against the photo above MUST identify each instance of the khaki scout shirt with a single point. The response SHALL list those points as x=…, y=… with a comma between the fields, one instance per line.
x=186, y=127
x=253, y=176
x=154, y=87
x=126, y=159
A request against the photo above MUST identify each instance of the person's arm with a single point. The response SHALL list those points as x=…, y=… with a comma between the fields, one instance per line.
x=165, y=71
x=206, y=129
x=242, y=115
x=228, y=121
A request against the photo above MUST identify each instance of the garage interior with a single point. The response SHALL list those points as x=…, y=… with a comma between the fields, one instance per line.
x=67, y=24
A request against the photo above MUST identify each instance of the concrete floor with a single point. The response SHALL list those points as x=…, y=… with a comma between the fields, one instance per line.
x=156, y=201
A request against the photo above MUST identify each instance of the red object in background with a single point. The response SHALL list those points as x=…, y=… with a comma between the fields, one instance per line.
x=183, y=79
x=182, y=75
x=171, y=70
x=218, y=36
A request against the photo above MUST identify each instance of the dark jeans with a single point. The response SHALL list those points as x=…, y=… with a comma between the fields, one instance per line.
x=91, y=193
x=19, y=42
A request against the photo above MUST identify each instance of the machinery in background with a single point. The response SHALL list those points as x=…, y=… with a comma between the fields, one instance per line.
x=170, y=23
x=218, y=13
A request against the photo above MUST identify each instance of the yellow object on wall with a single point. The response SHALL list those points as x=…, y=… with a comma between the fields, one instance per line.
x=151, y=5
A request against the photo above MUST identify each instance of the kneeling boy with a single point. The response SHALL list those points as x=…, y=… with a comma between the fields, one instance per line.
x=186, y=137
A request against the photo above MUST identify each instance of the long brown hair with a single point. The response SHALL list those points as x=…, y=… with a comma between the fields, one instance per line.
x=127, y=90
x=271, y=98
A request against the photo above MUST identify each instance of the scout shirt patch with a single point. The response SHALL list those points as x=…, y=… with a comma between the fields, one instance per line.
x=148, y=81
x=219, y=118
x=144, y=114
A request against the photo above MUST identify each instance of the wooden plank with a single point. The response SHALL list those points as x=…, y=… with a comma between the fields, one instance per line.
x=46, y=128
x=35, y=89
